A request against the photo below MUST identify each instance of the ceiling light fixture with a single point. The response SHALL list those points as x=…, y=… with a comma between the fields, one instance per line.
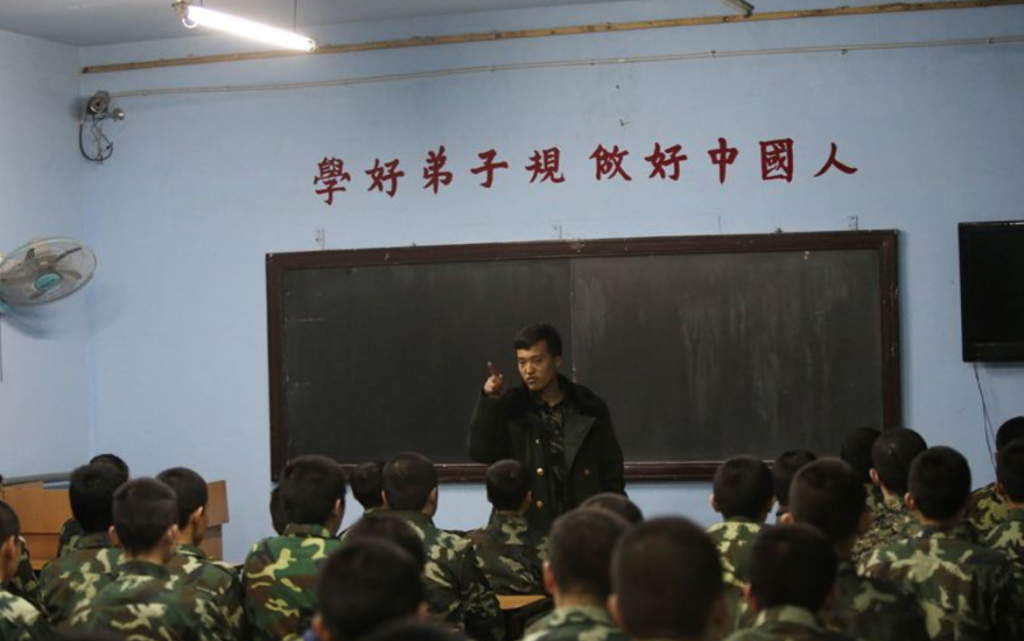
x=739, y=6
x=193, y=16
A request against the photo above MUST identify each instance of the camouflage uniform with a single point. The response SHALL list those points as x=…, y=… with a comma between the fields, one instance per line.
x=147, y=603
x=1008, y=537
x=458, y=593
x=219, y=580
x=510, y=554
x=986, y=509
x=875, y=498
x=578, y=623
x=78, y=576
x=733, y=538
x=19, y=621
x=70, y=533
x=24, y=583
x=280, y=581
x=874, y=609
x=890, y=524
x=787, y=623
x=966, y=590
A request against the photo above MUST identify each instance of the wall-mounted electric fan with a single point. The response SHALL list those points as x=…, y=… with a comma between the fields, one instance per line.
x=42, y=271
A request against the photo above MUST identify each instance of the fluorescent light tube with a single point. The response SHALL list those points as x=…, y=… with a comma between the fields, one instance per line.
x=191, y=16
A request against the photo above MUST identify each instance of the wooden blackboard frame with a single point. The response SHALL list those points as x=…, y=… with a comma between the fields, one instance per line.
x=883, y=243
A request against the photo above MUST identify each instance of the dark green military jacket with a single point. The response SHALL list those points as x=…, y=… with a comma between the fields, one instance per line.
x=1008, y=537
x=219, y=580
x=986, y=509
x=890, y=523
x=24, y=583
x=77, y=577
x=733, y=538
x=577, y=623
x=509, y=427
x=510, y=554
x=20, y=620
x=787, y=623
x=70, y=533
x=870, y=608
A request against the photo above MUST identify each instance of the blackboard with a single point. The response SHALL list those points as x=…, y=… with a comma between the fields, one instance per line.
x=703, y=347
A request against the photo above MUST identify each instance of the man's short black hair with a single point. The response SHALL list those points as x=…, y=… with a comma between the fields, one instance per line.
x=856, y=450
x=785, y=467
x=91, y=492
x=310, y=487
x=828, y=494
x=1010, y=470
x=743, y=486
x=278, y=513
x=189, y=487
x=617, y=503
x=792, y=565
x=533, y=334
x=892, y=455
x=508, y=483
x=112, y=459
x=9, y=523
x=940, y=482
x=1010, y=431
x=366, y=584
x=667, y=575
x=367, y=484
x=412, y=630
x=144, y=509
x=580, y=549
x=382, y=525
x=409, y=478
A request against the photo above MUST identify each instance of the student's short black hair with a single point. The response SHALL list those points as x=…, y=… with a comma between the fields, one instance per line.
x=940, y=482
x=828, y=494
x=508, y=483
x=743, y=486
x=310, y=486
x=667, y=575
x=367, y=484
x=580, y=549
x=382, y=525
x=278, y=513
x=856, y=450
x=1010, y=469
x=533, y=334
x=409, y=478
x=9, y=523
x=189, y=487
x=144, y=509
x=412, y=630
x=892, y=455
x=1010, y=431
x=112, y=459
x=785, y=467
x=617, y=503
x=792, y=565
x=366, y=584
x=91, y=492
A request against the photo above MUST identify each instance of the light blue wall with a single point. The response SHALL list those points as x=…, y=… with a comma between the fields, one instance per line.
x=44, y=397
x=202, y=186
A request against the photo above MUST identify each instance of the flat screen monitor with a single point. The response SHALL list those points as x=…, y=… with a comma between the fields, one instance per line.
x=992, y=291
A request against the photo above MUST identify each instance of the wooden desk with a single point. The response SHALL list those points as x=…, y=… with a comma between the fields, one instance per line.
x=520, y=609
x=516, y=601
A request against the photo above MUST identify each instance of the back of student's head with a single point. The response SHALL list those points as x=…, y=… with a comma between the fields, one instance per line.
x=144, y=509
x=856, y=450
x=792, y=565
x=940, y=482
x=278, y=512
x=91, y=492
x=1010, y=431
x=189, y=487
x=743, y=487
x=367, y=484
x=1010, y=470
x=409, y=478
x=617, y=503
x=9, y=523
x=785, y=467
x=892, y=455
x=533, y=334
x=508, y=483
x=382, y=525
x=412, y=630
x=828, y=494
x=112, y=460
x=310, y=488
x=666, y=575
x=580, y=549
x=366, y=584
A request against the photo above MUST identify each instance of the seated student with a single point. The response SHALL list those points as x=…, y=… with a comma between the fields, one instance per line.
x=365, y=585
x=412, y=630
x=190, y=563
x=68, y=580
x=618, y=503
x=578, y=576
x=145, y=600
x=508, y=551
x=278, y=518
x=72, y=531
x=966, y=590
x=783, y=470
x=385, y=525
x=988, y=507
x=19, y=619
x=280, y=571
x=24, y=583
x=830, y=495
x=367, y=485
x=891, y=456
x=856, y=450
x=458, y=593
x=667, y=583
x=792, y=576
x=1008, y=536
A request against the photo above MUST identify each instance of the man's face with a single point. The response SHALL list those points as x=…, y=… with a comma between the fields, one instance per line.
x=537, y=366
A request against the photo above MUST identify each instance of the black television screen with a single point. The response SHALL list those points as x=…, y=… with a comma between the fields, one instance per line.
x=992, y=291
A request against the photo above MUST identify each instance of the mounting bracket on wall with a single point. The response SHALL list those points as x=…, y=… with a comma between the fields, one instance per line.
x=96, y=110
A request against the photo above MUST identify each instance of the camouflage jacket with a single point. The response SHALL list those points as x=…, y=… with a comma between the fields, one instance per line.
x=24, y=583
x=875, y=499
x=78, y=576
x=510, y=554
x=733, y=538
x=1008, y=537
x=787, y=623
x=19, y=621
x=986, y=509
x=280, y=581
x=966, y=590
x=579, y=623
x=890, y=524
x=70, y=533
x=458, y=593
x=874, y=609
x=147, y=603
x=219, y=580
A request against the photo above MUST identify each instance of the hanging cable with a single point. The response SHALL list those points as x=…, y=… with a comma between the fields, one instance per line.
x=986, y=425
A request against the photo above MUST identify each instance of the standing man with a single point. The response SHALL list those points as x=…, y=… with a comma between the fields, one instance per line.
x=561, y=432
